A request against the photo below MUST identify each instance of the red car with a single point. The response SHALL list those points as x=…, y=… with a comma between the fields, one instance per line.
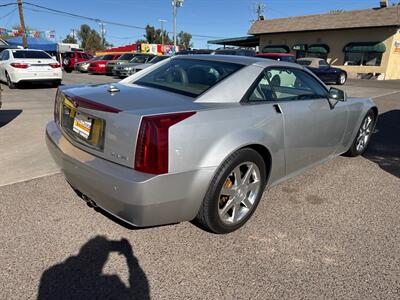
x=99, y=66
x=73, y=57
x=278, y=56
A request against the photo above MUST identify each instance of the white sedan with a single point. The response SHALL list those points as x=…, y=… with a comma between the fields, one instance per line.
x=21, y=65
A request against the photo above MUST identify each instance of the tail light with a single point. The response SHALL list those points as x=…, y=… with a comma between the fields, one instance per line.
x=20, y=65
x=55, y=65
x=152, y=143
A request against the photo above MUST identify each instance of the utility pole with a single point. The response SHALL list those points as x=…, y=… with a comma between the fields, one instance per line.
x=175, y=5
x=102, y=33
x=22, y=23
x=73, y=33
x=162, y=34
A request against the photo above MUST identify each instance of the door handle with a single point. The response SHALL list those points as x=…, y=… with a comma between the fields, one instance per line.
x=277, y=108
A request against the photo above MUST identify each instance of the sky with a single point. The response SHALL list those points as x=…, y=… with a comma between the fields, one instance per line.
x=212, y=18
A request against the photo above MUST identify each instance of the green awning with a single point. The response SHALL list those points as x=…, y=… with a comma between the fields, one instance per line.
x=365, y=47
x=318, y=48
x=276, y=49
x=299, y=47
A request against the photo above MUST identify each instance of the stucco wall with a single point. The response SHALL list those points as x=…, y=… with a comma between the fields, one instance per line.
x=393, y=68
x=337, y=39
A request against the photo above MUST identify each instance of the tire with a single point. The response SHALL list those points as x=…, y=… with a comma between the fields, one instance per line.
x=363, y=135
x=10, y=84
x=224, y=213
x=68, y=70
x=341, y=79
x=56, y=83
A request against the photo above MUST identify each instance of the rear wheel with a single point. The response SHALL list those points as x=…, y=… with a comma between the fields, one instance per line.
x=363, y=136
x=234, y=193
x=10, y=84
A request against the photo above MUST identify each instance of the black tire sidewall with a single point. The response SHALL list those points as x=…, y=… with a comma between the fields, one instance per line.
x=10, y=84
x=243, y=155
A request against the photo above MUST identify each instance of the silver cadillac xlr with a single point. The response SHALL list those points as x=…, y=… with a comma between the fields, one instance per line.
x=201, y=137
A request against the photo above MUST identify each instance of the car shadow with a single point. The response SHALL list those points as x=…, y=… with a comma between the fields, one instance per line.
x=80, y=276
x=384, y=147
x=35, y=85
x=8, y=115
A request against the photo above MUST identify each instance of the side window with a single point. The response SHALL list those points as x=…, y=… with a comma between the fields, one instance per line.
x=262, y=91
x=6, y=55
x=293, y=84
x=323, y=63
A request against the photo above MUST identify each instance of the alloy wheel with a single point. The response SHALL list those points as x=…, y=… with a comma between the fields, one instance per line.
x=239, y=193
x=364, y=134
x=342, y=78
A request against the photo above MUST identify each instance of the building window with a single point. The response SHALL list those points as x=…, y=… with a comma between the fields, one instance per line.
x=276, y=49
x=301, y=50
x=318, y=51
x=364, y=54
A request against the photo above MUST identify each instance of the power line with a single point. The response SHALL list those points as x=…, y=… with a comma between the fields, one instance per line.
x=9, y=13
x=7, y=4
x=97, y=20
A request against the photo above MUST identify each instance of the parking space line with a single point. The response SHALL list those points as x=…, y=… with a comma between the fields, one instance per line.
x=386, y=94
x=31, y=178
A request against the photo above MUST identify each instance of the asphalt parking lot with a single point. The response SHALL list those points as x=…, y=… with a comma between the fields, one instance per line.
x=333, y=232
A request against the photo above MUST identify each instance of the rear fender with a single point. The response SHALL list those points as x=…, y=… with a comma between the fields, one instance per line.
x=229, y=144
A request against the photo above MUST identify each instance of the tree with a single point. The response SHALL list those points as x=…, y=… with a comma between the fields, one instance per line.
x=93, y=41
x=184, y=40
x=83, y=34
x=69, y=39
x=154, y=36
x=90, y=39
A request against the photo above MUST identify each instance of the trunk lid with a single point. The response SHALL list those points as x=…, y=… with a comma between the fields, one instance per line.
x=113, y=118
x=37, y=64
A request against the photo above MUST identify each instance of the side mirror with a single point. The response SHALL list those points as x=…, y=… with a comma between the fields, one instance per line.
x=337, y=95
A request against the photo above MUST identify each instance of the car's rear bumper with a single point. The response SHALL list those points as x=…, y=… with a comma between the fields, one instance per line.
x=137, y=198
x=36, y=76
x=97, y=70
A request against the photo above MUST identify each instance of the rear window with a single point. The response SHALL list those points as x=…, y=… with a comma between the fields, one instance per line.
x=29, y=54
x=188, y=77
x=304, y=62
x=126, y=56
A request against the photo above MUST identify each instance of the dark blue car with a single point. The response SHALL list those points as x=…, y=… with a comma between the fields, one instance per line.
x=323, y=70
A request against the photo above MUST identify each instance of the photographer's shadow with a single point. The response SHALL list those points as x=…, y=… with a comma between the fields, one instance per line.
x=80, y=277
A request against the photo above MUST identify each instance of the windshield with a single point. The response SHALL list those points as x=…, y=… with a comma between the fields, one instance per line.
x=108, y=57
x=188, y=77
x=157, y=59
x=304, y=62
x=97, y=58
x=126, y=56
x=140, y=59
x=30, y=54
